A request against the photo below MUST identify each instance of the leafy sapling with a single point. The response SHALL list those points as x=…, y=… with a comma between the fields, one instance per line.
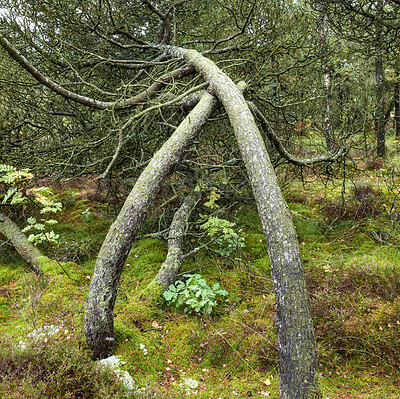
x=226, y=238
x=18, y=190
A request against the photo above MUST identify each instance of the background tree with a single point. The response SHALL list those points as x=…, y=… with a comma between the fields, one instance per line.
x=373, y=25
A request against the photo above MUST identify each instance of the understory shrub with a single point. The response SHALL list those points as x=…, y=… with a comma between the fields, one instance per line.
x=363, y=201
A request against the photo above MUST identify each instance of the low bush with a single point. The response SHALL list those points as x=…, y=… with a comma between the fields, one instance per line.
x=54, y=369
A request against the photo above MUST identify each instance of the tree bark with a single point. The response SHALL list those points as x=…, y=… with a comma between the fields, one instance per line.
x=297, y=348
x=99, y=323
x=330, y=138
x=173, y=262
x=397, y=102
x=380, y=87
x=20, y=242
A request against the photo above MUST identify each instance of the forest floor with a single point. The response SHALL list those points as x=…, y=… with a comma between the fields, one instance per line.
x=350, y=246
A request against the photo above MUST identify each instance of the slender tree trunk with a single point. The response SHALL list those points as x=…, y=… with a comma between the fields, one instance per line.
x=173, y=262
x=99, y=320
x=297, y=348
x=20, y=242
x=380, y=88
x=329, y=132
x=397, y=102
x=330, y=138
x=380, y=110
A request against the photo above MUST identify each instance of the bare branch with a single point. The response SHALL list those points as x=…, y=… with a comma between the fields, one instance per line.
x=122, y=141
x=165, y=29
x=282, y=150
x=90, y=102
x=242, y=30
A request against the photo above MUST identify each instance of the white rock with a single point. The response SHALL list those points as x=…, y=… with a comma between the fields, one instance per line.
x=114, y=362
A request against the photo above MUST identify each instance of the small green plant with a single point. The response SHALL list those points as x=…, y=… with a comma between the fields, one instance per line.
x=14, y=184
x=41, y=235
x=223, y=233
x=18, y=189
x=194, y=294
x=227, y=239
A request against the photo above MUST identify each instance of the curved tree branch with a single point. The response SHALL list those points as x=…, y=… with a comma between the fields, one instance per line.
x=99, y=319
x=282, y=150
x=90, y=102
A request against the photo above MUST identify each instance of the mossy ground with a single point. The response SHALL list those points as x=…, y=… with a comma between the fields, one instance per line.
x=354, y=283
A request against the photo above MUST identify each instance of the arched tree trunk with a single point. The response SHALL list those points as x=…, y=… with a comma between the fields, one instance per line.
x=173, y=262
x=20, y=242
x=297, y=348
x=99, y=320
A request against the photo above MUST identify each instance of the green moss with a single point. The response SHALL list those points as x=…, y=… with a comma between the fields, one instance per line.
x=263, y=264
x=354, y=284
x=151, y=292
x=246, y=217
x=53, y=268
x=10, y=272
x=144, y=261
x=308, y=223
x=122, y=331
x=255, y=245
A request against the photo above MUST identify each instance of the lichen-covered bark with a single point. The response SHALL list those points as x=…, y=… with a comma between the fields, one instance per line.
x=20, y=242
x=380, y=85
x=396, y=95
x=99, y=326
x=297, y=348
x=173, y=262
x=327, y=76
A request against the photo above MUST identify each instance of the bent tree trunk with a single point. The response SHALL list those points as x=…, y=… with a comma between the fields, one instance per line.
x=20, y=242
x=99, y=320
x=173, y=262
x=297, y=348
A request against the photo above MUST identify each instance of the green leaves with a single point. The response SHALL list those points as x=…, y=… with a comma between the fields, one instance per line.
x=194, y=295
x=18, y=189
x=228, y=240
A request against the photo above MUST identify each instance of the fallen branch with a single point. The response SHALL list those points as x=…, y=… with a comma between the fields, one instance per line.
x=20, y=242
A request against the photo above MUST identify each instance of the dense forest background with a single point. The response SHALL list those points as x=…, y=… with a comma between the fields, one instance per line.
x=147, y=154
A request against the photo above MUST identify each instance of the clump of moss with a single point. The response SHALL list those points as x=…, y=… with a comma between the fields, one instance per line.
x=255, y=245
x=144, y=261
